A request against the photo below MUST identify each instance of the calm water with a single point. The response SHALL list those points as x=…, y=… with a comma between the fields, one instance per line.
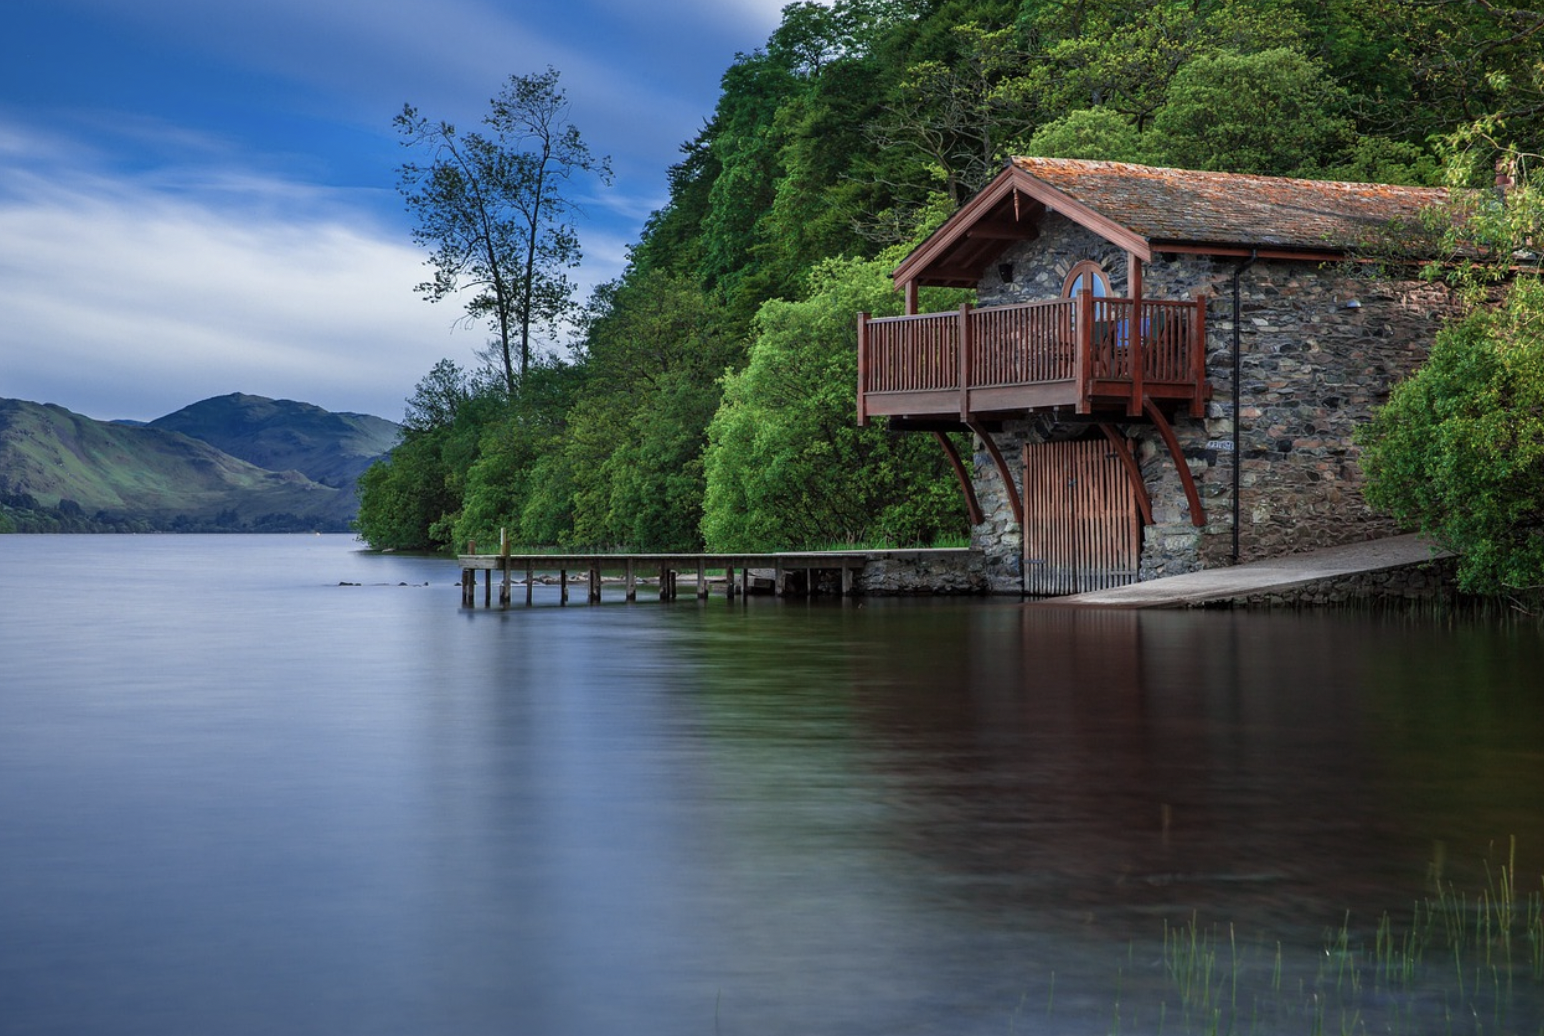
x=239, y=797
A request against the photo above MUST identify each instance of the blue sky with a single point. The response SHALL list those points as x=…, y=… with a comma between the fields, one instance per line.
x=198, y=197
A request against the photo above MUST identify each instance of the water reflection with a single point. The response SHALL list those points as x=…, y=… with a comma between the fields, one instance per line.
x=313, y=808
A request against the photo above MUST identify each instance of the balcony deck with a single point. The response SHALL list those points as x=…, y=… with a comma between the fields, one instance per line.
x=1090, y=355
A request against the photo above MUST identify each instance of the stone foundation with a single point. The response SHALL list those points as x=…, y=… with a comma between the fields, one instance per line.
x=1427, y=581
x=907, y=572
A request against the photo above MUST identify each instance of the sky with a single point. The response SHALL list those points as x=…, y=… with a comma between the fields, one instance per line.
x=199, y=198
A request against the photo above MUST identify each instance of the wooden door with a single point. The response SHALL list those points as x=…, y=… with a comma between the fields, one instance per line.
x=1082, y=530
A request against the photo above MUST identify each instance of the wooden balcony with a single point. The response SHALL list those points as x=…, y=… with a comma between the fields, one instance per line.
x=1088, y=355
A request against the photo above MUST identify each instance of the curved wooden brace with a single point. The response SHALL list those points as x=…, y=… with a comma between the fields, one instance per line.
x=972, y=505
x=1015, y=498
x=1133, y=471
x=1197, y=515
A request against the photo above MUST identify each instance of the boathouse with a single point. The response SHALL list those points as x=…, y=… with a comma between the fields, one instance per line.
x=1164, y=368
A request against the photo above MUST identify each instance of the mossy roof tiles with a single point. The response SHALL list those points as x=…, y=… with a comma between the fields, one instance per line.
x=1184, y=205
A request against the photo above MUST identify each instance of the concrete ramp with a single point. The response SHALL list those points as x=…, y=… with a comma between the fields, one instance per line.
x=1260, y=577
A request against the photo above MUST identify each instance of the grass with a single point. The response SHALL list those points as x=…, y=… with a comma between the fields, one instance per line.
x=1458, y=963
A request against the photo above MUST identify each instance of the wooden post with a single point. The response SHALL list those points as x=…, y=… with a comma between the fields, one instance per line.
x=1083, y=361
x=966, y=347
x=1198, y=363
x=863, y=319
x=702, y=580
x=562, y=586
x=730, y=591
x=530, y=579
x=487, y=588
x=664, y=583
x=632, y=581
x=594, y=597
x=1138, y=345
x=468, y=587
x=846, y=580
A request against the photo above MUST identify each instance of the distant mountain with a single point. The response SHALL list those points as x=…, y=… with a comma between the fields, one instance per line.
x=283, y=435
x=60, y=471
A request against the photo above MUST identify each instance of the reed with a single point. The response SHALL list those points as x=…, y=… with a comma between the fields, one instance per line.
x=1461, y=963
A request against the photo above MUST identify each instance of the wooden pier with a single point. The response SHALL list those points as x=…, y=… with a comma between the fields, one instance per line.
x=790, y=573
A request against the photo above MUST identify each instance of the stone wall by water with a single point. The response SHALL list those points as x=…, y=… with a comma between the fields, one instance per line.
x=903, y=572
x=1427, y=581
x=1320, y=348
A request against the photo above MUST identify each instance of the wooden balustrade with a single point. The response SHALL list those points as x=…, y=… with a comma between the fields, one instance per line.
x=1059, y=352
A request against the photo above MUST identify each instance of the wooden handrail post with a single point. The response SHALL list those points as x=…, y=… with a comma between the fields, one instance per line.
x=1198, y=361
x=1083, y=362
x=1138, y=360
x=966, y=347
x=863, y=319
x=1137, y=339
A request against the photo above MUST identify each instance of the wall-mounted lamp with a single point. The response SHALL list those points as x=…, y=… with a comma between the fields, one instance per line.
x=1005, y=271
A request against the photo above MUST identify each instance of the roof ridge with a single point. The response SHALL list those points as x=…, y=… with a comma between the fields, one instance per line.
x=1028, y=163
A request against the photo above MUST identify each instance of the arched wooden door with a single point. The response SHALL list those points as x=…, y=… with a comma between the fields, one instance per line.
x=1082, y=527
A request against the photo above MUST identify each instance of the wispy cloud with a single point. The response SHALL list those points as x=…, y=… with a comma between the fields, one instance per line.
x=242, y=284
x=198, y=198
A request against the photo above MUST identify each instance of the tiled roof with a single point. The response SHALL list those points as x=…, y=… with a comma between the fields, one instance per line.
x=1182, y=205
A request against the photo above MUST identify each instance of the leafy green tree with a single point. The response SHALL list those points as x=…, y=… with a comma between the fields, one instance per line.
x=1125, y=55
x=509, y=484
x=493, y=210
x=1092, y=133
x=1275, y=113
x=410, y=500
x=655, y=350
x=958, y=115
x=1458, y=452
x=787, y=466
x=1446, y=65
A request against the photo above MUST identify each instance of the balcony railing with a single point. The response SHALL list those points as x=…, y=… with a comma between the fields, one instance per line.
x=1089, y=353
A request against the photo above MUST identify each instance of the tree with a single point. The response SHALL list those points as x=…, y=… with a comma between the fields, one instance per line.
x=787, y=466
x=1093, y=133
x=411, y=499
x=1275, y=112
x=1458, y=451
x=492, y=209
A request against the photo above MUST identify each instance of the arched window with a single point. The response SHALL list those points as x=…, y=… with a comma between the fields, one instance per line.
x=1086, y=275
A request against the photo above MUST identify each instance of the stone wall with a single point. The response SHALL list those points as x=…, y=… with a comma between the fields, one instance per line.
x=1424, y=582
x=1321, y=346
x=901, y=572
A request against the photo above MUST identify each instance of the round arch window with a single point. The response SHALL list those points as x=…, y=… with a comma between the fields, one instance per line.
x=1086, y=275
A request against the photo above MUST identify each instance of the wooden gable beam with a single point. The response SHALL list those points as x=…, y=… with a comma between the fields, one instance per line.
x=976, y=219
x=978, y=211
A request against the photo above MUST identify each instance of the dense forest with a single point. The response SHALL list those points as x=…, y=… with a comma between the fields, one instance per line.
x=708, y=398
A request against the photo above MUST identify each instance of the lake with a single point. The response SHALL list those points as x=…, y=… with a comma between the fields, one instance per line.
x=257, y=784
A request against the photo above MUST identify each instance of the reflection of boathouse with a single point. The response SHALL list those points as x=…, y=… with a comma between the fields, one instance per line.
x=1165, y=368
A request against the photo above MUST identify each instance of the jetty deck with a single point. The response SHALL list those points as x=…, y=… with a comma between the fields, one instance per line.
x=730, y=571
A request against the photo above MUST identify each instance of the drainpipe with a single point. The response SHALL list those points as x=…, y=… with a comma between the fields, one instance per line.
x=1238, y=346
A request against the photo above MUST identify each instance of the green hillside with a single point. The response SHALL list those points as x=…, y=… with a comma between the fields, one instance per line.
x=60, y=471
x=283, y=435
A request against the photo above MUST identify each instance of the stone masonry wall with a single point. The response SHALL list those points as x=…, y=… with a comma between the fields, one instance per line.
x=1321, y=346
